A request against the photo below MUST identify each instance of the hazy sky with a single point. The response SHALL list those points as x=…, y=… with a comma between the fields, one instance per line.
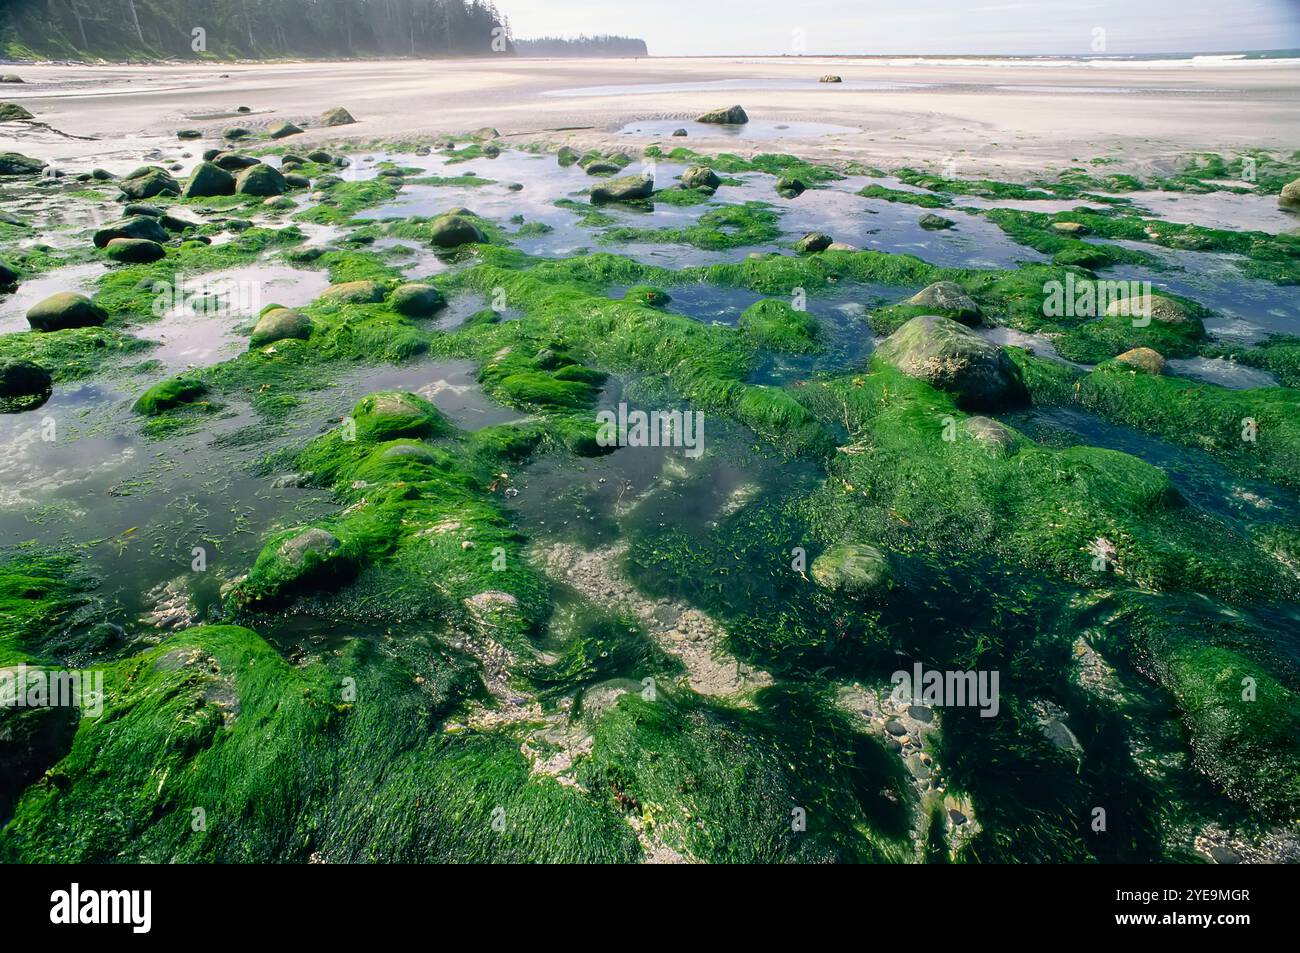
x=694, y=27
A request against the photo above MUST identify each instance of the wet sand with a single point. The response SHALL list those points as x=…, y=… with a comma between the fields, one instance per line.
x=1004, y=120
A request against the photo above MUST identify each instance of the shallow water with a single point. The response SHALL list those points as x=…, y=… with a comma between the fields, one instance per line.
x=756, y=130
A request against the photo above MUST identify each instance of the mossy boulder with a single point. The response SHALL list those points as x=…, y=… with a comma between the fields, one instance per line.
x=14, y=163
x=354, y=292
x=236, y=132
x=209, y=179
x=814, y=242
x=337, y=116
x=1156, y=307
x=233, y=161
x=1144, y=359
x=935, y=223
x=417, y=300
x=168, y=394
x=146, y=182
x=282, y=130
x=854, y=569
x=1290, y=195
x=134, y=251
x=260, y=179
x=623, y=189
x=780, y=327
x=11, y=78
x=278, y=324
x=700, y=177
x=389, y=415
x=8, y=276
x=63, y=310
x=23, y=384
x=993, y=435
x=789, y=187
x=950, y=357
x=647, y=295
x=293, y=563
x=188, y=134
x=949, y=299
x=1073, y=229
x=12, y=112
x=603, y=167
x=726, y=116
x=141, y=227
x=452, y=230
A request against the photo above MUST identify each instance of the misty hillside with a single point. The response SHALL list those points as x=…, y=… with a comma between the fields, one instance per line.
x=582, y=46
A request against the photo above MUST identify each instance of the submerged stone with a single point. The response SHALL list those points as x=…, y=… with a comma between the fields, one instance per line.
x=949, y=356
x=63, y=310
x=644, y=294
x=855, y=569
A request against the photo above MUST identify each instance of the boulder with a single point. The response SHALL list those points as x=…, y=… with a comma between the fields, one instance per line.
x=1290, y=195
x=789, y=188
x=623, y=189
x=147, y=182
x=1073, y=229
x=134, y=251
x=260, y=179
x=992, y=434
x=354, y=292
x=278, y=324
x=1143, y=359
x=209, y=179
x=416, y=300
x=603, y=167
x=63, y=310
x=949, y=299
x=455, y=229
x=484, y=133
x=338, y=116
x=11, y=78
x=854, y=569
x=282, y=130
x=566, y=156
x=295, y=181
x=21, y=379
x=235, y=132
x=188, y=134
x=949, y=356
x=8, y=277
x=1157, y=307
x=700, y=177
x=14, y=163
x=813, y=242
x=320, y=157
x=729, y=116
x=830, y=78
x=142, y=226
x=168, y=394
x=12, y=112
x=389, y=415
x=140, y=208
x=680, y=132
x=233, y=161
x=934, y=223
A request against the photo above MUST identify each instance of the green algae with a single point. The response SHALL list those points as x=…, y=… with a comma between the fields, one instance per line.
x=727, y=226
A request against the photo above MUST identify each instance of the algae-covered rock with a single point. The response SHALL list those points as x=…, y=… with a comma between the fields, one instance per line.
x=700, y=177
x=11, y=112
x=566, y=156
x=950, y=357
x=233, y=161
x=854, y=569
x=623, y=189
x=146, y=182
x=814, y=242
x=337, y=116
x=141, y=227
x=949, y=299
x=992, y=434
x=728, y=116
x=1144, y=359
x=278, y=324
x=354, y=292
x=417, y=300
x=645, y=294
x=209, y=179
x=14, y=163
x=8, y=276
x=1290, y=195
x=282, y=130
x=23, y=381
x=1153, y=306
x=789, y=188
x=134, y=251
x=1073, y=229
x=603, y=167
x=389, y=415
x=64, y=310
x=934, y=223
x=831, y=78
x=452, y=230
x=11, y=78
x=188, y=134
x=779, y=326
x=168, y=394
x=678, y=133
x=260, y=179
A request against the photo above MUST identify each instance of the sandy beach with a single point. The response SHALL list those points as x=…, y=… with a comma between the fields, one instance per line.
x=1009, y=120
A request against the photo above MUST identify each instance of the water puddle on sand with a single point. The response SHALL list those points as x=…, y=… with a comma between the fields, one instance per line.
x=726, y=85
x=1220, y=371
x=754, y=130
x=1229, y=210
x=78, y=278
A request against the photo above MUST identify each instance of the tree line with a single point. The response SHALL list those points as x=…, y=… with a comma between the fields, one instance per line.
x=581, y=46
